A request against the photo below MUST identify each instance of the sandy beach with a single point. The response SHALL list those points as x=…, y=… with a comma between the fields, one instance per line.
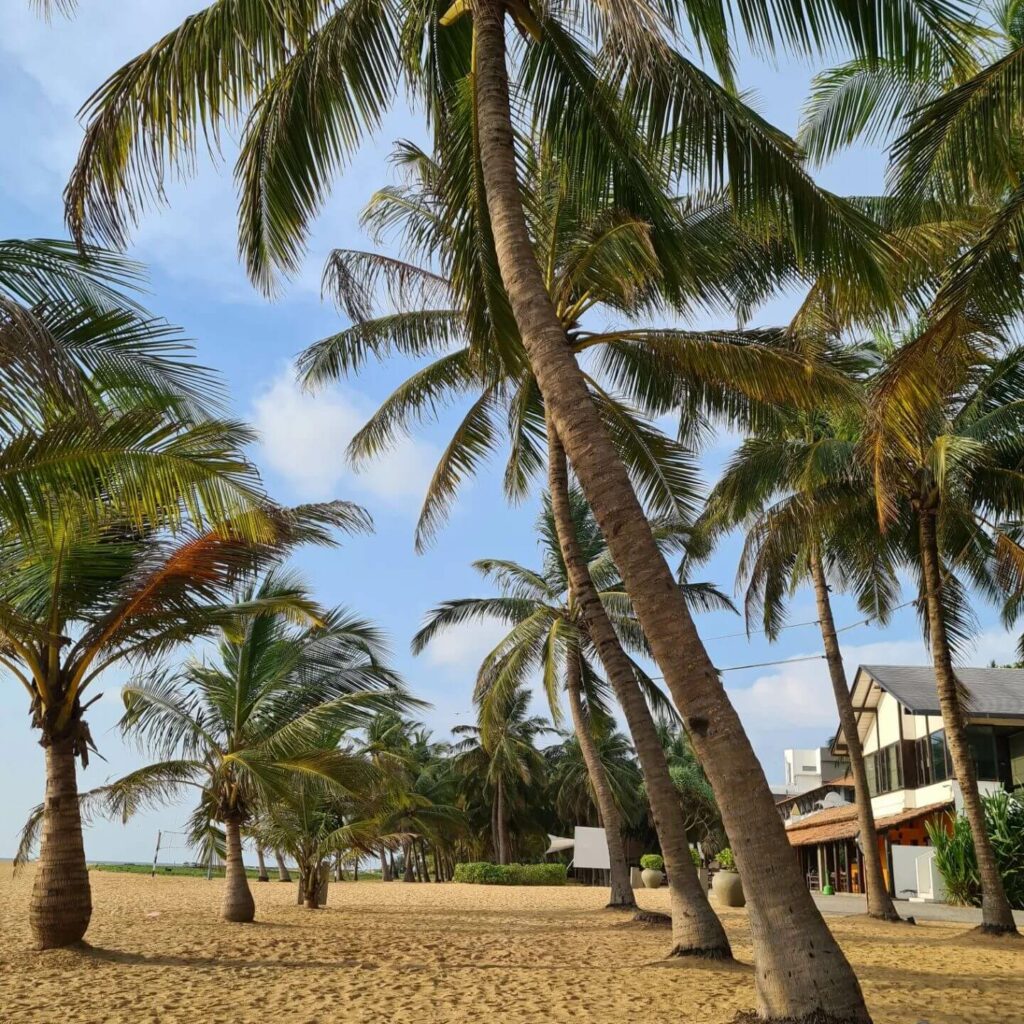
x=445, y=954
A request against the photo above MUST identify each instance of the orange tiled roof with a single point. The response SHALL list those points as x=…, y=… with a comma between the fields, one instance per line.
x=841, y=823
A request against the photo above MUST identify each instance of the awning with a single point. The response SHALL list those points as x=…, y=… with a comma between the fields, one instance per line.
x=557, y=844
x=841, y=823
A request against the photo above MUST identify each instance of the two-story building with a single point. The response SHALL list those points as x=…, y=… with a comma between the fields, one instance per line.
x=909, y=772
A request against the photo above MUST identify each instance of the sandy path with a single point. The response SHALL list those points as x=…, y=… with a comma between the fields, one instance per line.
x=450, y=954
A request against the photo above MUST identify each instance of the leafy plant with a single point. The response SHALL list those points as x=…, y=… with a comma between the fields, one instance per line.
x=695, y=855
x=652, y=862
x=956, y=861
x=726, y=860
x=485, y=873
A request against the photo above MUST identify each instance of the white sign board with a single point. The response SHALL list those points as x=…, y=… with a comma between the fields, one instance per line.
x=591, y=849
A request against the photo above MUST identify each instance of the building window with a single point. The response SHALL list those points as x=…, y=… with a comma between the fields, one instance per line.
x=939, y=757
x=884, y=770
x=982, y=741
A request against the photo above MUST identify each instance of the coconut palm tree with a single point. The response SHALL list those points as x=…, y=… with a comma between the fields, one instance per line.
x=500, y=752
x=943, y=443
x=572, y=793
x=809, y=518
x=606, y=263
x=244, y=727
x=324, y=75
x=549, y=635
x=81, y=599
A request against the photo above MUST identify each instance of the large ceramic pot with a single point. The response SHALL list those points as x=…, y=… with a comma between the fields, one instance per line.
x=652, y=879
x=636, y=878
x=728, y=889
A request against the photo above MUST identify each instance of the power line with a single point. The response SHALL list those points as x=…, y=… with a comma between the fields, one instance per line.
x=791, y=661
x=763, y=664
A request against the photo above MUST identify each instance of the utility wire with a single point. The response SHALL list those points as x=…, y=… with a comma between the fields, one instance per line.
x=791, y=661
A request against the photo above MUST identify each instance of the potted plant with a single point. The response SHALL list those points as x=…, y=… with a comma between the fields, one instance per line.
x=726, y=884
x=702, y=871
x=653, y=876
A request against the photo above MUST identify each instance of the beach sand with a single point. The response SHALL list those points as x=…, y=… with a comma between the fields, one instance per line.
x=445, y=954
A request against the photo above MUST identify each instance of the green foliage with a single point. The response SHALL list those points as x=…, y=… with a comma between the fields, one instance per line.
x=652, y=862
x=695, y=857
x=484, y=873
x=956, y=860
x=726, y=860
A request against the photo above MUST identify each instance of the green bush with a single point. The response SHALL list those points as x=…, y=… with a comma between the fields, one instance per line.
x=956, y=860
x=484, y=873
x=695, y=856
x=652, y=862
x=726, y=861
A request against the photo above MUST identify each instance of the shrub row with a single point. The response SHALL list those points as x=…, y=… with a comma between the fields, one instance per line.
x=483, y=873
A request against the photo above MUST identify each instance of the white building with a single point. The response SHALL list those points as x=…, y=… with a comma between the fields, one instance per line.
x=909, y=771
x=809, y=769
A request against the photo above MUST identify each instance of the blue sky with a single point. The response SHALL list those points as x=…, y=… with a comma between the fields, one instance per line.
x=46, y=72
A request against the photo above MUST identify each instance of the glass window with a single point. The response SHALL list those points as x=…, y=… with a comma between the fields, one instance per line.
x=871, y=768
x=982, y=741
x=922, y=753
x=940, y=769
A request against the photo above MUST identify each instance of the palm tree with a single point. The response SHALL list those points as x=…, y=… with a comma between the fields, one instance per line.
x=80, y=600
x=501, y=752
x=943, y=442
x=268, y=710
x=548, y=633
x=571, y=791
x=606, y=262
x=326, y=72
x=809, y=517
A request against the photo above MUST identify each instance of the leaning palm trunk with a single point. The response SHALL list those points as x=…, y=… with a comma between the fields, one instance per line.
x=696, y=930
x=880, y=903
x=283, y=874
x=801, y=972
x=621, y=896
x=238, y=903
x=61, y=901
x=263, y=876
x=996, y=915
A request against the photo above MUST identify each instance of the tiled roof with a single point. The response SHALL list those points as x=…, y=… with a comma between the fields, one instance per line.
x=845, y=782
x=841, y=823
x=992, y=692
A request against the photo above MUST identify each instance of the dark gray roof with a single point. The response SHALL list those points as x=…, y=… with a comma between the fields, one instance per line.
x=994, y=692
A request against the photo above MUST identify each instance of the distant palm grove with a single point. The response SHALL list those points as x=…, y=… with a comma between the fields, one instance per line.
x=594, y=179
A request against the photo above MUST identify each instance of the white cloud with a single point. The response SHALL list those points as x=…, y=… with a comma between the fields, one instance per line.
x=303, y=439
x=465, y=647
x=798, y=696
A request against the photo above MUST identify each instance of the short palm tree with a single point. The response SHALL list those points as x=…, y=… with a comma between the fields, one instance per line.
x=80, y=599
x=267, y=710
x=570, y=786
x=501, y=752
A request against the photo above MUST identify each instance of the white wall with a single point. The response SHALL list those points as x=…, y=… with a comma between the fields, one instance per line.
x=904, y=870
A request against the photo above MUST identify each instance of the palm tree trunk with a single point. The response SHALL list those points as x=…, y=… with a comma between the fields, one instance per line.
x=501, y=838
x=621, y=896
x=61, y=903
x=424, y=867
x=696, y=929
x=880, y=904
x=408, y=875
x=996, y=915
x=801, y=972
x=263, y=876
x=238, y=903
x=283, y=874
x=385, y=871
